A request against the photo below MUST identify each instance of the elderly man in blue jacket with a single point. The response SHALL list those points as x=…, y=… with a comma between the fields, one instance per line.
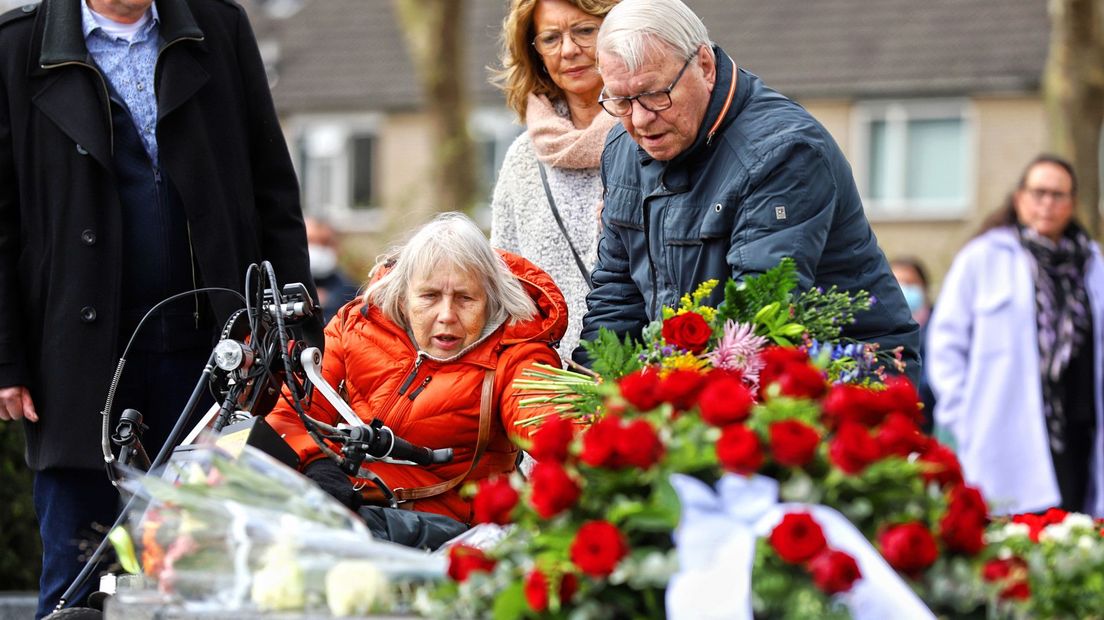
x=714, y=175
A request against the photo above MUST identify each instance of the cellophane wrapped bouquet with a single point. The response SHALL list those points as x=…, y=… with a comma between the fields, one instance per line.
x=221, y=532
x=760, y=388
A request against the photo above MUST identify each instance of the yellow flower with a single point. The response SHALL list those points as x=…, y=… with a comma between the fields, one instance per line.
x=685, y=361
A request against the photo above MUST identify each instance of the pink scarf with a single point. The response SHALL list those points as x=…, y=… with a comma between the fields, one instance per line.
x=556, y=140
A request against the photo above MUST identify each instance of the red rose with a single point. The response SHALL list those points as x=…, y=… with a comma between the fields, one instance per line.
x=725, y=400
x=1054, y=516
x=908, y=547
x=852, y=449
x=793, y=443
x=598, y=547
x=900, y=395
x=851, y=403
x=941, y=465
x=536, y=589
x=738, y=450
x=553, y=490
x=687, y=331
x=681, y=388
x=900, y=436
x=801, y=381
x=641, y=389
x=494, y=501
x=1019, y=591
x=797, y=538
x=964, y=499
x=465, y=560
x=1034, y=523
x=962, y=531
x=834, y=571
x=776, y=360
x=600, y=443
x=638, y=445
x=551, y=440
x=1000, y=570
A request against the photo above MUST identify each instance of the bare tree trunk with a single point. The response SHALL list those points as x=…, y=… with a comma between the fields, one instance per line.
x=434, y=34
x=1074, y=93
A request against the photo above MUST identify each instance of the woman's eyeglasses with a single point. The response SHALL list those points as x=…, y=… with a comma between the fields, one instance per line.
x=583, y=35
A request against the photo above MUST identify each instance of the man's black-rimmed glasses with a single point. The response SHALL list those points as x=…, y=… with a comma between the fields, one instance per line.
x=654, y=101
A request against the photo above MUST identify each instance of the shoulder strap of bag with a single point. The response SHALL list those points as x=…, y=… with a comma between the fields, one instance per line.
x=486, y=402
x=563, y=229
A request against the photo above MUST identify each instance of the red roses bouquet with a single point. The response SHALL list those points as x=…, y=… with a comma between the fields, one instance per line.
x=761, y=386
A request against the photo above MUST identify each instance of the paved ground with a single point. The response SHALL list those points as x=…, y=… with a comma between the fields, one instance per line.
x=17, y=605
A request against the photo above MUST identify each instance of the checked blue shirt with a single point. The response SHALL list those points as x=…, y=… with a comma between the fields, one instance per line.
x=129, y=67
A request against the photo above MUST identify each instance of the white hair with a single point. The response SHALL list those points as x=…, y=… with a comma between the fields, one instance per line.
x=633, y=26
x=449, y=239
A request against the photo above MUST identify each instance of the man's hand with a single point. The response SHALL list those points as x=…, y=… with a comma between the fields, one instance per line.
x=15, y=404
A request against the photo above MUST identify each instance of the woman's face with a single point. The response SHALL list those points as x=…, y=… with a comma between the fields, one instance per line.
x=570, y=65
x=447, y=309
x=1045, y=202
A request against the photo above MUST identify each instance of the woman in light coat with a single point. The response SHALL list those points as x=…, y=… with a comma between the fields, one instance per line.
x=1015, y=351
x=551, y=81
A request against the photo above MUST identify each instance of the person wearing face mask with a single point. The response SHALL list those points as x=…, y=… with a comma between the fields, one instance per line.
x=913, y=278
x=334, y=286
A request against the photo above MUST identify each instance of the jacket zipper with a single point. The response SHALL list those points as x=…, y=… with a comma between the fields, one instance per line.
x=107, y=97
x=421, y=387
x=651, y=262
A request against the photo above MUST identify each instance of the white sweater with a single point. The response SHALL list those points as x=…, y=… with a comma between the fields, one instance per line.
x=522, y=223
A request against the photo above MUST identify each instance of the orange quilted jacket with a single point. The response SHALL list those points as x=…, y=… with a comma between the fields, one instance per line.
x=440, y=408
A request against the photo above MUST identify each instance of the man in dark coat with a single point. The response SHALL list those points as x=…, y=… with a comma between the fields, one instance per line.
x=712, y=175
x=140, y=156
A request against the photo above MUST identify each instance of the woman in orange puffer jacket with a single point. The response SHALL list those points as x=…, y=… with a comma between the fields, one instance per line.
x=414, y=351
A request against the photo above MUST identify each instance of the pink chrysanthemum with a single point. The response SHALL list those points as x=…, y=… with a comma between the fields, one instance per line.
x=738, y=349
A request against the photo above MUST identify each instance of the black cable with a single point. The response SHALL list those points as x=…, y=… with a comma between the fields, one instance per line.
x=105, y=435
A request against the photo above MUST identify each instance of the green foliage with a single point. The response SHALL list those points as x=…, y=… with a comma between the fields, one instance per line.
x=612, y=358
x=825, y=313
x=21, y=558
x=744, y=300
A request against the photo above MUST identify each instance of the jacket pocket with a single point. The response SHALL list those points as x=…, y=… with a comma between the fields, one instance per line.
x=699, y=224
x=623, y=207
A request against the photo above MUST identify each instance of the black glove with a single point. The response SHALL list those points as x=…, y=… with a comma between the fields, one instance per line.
x=326, y=474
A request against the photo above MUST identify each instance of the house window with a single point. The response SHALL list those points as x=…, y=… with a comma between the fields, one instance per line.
x=492, y=131
x=913, y=158
x=338, y=167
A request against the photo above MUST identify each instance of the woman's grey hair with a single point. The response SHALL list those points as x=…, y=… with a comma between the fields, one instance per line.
x=632, y=26
x=449, y=239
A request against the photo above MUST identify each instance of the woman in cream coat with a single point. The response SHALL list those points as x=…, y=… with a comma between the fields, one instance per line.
x=1025, y=294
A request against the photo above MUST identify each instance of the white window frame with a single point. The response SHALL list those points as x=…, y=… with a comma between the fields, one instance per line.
x=897, y=113
x=330, y=136
x=495, y=124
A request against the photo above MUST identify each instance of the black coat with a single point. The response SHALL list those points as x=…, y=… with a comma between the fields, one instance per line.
x=60, y=227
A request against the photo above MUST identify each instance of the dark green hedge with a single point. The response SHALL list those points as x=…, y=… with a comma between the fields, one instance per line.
x=20, y=549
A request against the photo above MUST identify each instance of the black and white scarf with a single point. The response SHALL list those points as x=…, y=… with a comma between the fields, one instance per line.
x=1063, y=315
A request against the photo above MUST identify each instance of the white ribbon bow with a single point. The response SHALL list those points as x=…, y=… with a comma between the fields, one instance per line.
x=715, y=543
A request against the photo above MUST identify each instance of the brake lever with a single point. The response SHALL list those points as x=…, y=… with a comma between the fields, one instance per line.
x=311, y=360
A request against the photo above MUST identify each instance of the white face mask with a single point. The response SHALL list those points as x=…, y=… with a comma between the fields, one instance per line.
x=914, y=297
x=323, y=260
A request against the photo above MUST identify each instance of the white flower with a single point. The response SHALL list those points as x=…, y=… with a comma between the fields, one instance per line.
x=278, y=584
x=1076, y=520
x=1056, y=532
x=353, y=588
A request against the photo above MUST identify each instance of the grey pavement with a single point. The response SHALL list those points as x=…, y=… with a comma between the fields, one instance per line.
x=18, y=605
